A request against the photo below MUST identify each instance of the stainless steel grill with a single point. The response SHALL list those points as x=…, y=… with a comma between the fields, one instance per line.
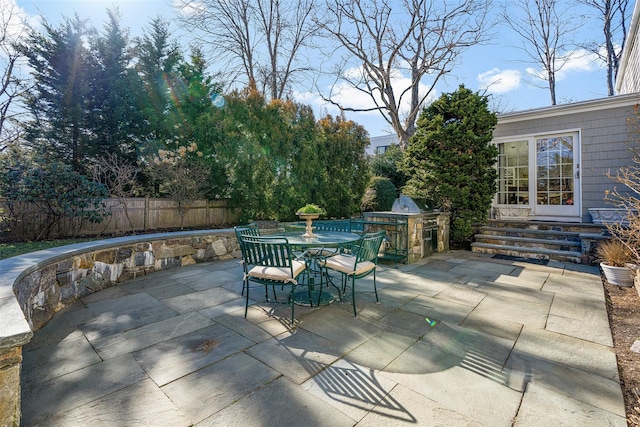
x=405, y=204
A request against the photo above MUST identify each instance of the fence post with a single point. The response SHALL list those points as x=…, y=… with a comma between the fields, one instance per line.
x=208, y=214
x=146, y=213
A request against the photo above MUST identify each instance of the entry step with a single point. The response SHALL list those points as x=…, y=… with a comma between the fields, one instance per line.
x=529, y=252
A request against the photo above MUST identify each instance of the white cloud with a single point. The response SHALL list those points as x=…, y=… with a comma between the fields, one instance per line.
x=578, y=61
x=536, y=73
x=14, y=31
x=13, y=18
x=188, y=7
x=314, y=100
x=500, y=81
x=348, y=96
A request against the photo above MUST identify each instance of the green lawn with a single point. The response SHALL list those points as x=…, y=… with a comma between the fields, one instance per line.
x=7, y=250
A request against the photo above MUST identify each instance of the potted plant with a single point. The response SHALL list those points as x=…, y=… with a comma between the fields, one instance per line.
x=616, y=263
x=310, y=212
x=625, y=198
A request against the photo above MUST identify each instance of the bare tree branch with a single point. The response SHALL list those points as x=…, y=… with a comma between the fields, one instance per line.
x=546, y=33
x=626, y=195
x=119, y=176
x=614, y=15
x=263, y=38
x=11, y=87
x=382, y=44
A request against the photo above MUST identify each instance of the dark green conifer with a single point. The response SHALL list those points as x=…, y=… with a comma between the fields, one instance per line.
x=451, y=160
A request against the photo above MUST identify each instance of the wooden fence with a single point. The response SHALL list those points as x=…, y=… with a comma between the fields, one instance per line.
x=139, y=214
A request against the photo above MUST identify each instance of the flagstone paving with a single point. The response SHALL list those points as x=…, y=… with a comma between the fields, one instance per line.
x=457, y=339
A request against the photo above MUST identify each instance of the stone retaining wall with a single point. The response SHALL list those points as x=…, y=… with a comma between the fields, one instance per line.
x=33, y=287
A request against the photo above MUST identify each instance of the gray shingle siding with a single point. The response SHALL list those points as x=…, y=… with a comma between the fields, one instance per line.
x=628, y=79
x=604, y=141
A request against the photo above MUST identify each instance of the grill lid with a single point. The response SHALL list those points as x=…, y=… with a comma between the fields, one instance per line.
x=405, y=204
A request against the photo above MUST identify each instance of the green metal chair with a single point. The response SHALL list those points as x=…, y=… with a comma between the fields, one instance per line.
x=271, y=262
x=355, y=266
x=245, y=230
x=330, y=225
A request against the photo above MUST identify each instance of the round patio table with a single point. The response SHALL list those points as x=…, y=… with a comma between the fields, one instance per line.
x=322, y=240
x=330, y=239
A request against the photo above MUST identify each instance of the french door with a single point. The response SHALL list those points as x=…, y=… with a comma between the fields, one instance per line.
x=541, y=172
x=557, y=174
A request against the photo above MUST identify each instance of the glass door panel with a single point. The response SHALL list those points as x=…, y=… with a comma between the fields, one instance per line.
x=556, y=175
x=513, y=173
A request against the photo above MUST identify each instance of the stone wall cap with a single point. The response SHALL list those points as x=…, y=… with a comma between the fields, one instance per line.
x=15, y=330
x=30, y=262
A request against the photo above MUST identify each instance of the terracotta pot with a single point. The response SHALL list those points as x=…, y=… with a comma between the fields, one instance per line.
x=619, y=276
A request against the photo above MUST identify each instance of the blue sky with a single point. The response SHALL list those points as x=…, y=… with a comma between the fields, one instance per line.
x=497, y=68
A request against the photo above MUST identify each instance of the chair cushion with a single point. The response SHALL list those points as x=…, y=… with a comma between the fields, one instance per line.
x=279, y=274
x=346, y=264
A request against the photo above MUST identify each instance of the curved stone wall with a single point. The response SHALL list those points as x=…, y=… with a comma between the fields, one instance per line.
x=33, y=287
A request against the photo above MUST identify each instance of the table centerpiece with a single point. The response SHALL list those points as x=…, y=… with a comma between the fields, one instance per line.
x=310, y=212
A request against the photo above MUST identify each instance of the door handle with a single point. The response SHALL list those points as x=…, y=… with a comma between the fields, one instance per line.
x=577, y=174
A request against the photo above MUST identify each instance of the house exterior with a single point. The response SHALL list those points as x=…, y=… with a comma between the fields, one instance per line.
x=553, y=162
x=379, y=144
x=628, y=78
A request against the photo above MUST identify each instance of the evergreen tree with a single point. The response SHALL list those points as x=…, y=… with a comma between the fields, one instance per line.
x=59, y=103
x=249, y=163
x=379, y=195
x=293, y=139
x=188, y=117
x=222, y=138
x=451, y=160
x=116, y=120
x=272, y=158
x=193, y=90
x=197, y=88
x=345, y=169
x=158, y=60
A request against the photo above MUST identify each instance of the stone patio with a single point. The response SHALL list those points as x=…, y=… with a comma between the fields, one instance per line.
x=458, y=339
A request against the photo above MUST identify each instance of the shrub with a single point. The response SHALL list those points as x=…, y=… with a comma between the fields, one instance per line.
x=627, y=196
x=388, y=164
x=180, y=175
x=379, y=196
x=120, y=178
x=41, y=195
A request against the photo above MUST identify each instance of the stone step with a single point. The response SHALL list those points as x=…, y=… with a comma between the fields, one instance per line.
x=560, y=244
x=541, y=240
x=530, y=233
x=527, y=252
x=578, y=227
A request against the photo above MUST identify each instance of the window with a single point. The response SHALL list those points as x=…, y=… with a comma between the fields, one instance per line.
x=382, y=149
